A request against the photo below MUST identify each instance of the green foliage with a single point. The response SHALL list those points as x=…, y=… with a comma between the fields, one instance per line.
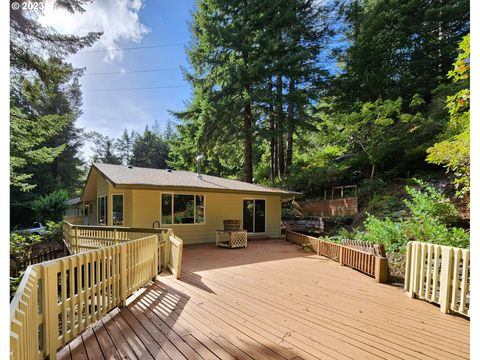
x=430, y=214
x=428, y=203
x=21, y=247
x=51, y=207
x=453, y=152
x=149, y=150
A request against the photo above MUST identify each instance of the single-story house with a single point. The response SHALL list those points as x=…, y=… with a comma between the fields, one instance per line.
x=193, y=205
x=74, y=207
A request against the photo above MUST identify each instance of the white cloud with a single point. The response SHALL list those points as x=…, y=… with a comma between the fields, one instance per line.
x=117, y=19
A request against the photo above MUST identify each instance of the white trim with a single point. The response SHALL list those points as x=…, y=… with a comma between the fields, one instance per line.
x=256, y=198
x=195, y=194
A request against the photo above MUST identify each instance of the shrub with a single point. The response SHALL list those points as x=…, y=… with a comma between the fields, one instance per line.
x=429, y=203
x=51, y=207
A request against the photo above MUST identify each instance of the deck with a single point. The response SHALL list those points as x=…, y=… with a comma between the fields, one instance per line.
x=271, y=301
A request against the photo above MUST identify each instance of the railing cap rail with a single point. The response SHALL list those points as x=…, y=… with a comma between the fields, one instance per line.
x=119, y=228
x=416, y=242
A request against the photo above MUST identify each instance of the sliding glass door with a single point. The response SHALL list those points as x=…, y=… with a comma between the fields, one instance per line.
x=254, y=215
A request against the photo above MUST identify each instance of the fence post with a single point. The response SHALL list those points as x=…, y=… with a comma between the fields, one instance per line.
x=408, y=270
x=50, y=304
x=415, y=264
x=340, y=255
x=76, y=240
x=123, y=275
x=445, y=279
x=381, y=269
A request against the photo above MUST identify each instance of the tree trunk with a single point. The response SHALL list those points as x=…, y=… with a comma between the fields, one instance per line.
x=247, y=152
x=273, y=142
x=372, y=174
x=280, y=127
x=290, y=127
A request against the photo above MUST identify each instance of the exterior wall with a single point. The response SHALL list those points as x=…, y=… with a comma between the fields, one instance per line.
x=144, y=207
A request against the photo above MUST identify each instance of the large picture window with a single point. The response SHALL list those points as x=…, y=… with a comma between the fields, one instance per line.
x=102, y=210
x=183, y=209
x=117, y=209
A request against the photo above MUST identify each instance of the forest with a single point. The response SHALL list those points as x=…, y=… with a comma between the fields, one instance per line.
x=298, y=94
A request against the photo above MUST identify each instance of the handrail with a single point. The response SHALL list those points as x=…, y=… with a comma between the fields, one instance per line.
x=439, y=274
x=371, y=264
x=58, y=299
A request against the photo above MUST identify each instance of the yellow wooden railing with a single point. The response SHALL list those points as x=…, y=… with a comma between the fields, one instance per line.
x=372, y=264
x=80, y=238
x=439, y=274
x=56, y=300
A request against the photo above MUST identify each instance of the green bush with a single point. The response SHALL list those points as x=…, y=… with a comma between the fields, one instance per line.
x=428, y=203
x=51, y=207
x=429, y=215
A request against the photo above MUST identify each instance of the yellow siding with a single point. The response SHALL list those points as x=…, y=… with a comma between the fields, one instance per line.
x=144, y=207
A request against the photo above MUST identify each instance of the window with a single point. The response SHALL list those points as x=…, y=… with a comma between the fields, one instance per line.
x=117, y=209
x=254, y=215
x=183, y=209
x=102, y=210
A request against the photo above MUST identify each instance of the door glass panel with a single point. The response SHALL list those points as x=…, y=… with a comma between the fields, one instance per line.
x=248, y=210
x=117, y=203
x=183, y=209
x=102, y=210
x=259, y=215
x=166, y=208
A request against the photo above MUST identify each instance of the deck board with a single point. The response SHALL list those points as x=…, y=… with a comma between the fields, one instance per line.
x=271, y=301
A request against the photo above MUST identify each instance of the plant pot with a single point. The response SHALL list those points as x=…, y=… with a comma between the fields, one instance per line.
x=231, y=225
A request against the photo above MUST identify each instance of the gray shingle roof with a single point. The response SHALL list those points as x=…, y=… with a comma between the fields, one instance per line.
x=124, y=175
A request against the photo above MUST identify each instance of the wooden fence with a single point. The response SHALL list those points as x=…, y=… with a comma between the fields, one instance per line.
x=368, y=263
x=439, y=274
x=56, y=300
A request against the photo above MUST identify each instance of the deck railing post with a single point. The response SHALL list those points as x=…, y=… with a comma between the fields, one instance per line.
x=76, y=240
x=381, y=269
x=123, y=274
x=408, y=271
x=50, y=304
x=445, y=279
x=340, y=255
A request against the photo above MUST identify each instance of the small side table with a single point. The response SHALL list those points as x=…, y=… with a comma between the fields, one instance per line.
x=231, y=239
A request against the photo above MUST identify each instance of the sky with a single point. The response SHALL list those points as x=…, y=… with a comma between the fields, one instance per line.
x=159, y=30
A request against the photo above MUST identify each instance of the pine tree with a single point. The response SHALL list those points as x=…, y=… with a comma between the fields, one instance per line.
x=124, y=146
x=149, y=150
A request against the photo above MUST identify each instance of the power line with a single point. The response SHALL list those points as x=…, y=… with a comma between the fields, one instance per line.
x=130, y=72
x=131, y=48
x=137, y=88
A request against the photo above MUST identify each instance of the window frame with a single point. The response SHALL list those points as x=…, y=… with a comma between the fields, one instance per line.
x=254, y=199
x=172, y=194
x=123, y=208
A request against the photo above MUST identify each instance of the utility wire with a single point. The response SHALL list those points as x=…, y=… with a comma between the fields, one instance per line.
x=130, y=48
x=130, y=72
x=137, y=88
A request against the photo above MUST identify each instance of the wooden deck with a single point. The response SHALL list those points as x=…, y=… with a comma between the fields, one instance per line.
x=271, y=301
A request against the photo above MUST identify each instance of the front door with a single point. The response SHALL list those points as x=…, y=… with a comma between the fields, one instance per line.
x=254, y=215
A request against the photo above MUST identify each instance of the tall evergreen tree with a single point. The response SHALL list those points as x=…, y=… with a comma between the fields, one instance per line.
x=124, y=146
x=149, y=150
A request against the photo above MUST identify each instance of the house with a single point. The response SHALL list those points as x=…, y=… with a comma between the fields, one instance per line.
x=74, y=207
x=193, y=205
